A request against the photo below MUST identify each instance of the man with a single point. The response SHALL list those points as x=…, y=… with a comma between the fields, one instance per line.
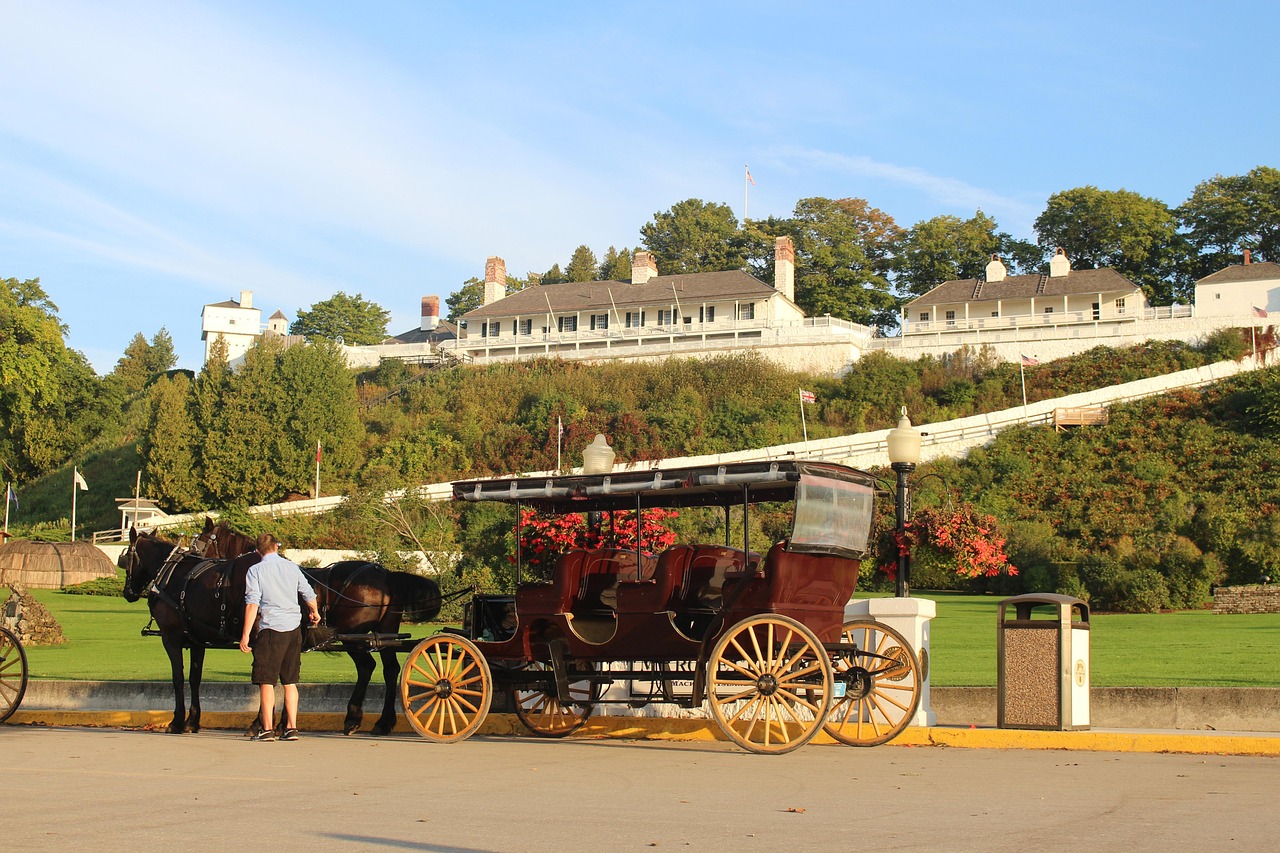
x=272, y=589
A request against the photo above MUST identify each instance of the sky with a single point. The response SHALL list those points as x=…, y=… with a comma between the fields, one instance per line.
x=159, y=156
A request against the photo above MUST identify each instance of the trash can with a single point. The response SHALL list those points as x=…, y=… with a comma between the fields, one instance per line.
x=1042, y=656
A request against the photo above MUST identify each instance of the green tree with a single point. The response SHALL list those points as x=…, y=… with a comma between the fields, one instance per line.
x=945, y=248
x=354, y=319
x=317, y=402
x=168, y=446
x=241, y=459
x=1226, y=215
x=583, y=266
x=616, y=265
x=693, y=236
x=844, y=252
x=1134, y=235
x=552, y=276
x=467, y=298
x=143, y=360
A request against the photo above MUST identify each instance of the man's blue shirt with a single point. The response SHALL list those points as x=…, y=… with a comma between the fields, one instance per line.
x=274, y=584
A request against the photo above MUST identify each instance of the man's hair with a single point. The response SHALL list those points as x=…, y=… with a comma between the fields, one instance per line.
x=266, y=542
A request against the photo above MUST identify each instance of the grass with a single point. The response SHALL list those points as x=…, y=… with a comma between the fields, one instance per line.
x=1190, y=648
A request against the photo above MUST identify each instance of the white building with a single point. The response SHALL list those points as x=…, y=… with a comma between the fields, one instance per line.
x=239, y=324
x=1239, y=289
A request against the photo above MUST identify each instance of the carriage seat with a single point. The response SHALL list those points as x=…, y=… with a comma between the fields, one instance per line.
x=704, y=578
x=654, y=594
x=548, y=599
x=604, y=569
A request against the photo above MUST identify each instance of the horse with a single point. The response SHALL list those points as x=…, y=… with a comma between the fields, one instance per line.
x=195, y=601
x=354, y=597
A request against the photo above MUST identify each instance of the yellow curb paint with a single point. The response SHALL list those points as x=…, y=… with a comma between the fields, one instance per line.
x=671, y=729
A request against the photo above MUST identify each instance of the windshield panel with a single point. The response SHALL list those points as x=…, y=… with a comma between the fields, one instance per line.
x=832, y=516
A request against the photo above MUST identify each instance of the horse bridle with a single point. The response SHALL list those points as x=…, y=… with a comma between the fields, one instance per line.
x=179, y=551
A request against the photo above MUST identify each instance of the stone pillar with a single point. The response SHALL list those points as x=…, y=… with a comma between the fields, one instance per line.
x=909, y=617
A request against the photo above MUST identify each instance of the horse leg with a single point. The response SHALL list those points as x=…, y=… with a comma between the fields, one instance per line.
x=391, y=678
x=173, y=647
x=355, y=706
x=197, y=673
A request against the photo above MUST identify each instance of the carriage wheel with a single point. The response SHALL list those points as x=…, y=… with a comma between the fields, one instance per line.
x=13, y=674
x=769, y=684
x=446, y=688
x=543, y=714
x=881, y=686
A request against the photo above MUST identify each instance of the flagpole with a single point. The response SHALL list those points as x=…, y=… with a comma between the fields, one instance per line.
x=316, y=502
x=746, y=170
x=1022, y=369
x=75, y=474
x=8, y=492
x=559, y=439
x=803, y=425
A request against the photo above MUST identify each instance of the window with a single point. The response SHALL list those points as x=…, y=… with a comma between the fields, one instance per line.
x=951, y=318
x=1120, y=309
x=747, y=312
x=599, y=321
x=995, y=313
x=1049, y=310
x=665, y=316
x=567, y=324
x=707, y=314
x=524, y=327
x=635, y=319
x=924, y=316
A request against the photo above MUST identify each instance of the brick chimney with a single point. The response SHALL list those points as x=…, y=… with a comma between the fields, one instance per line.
x=643, y=268
x=996, y=270
x=1059, y=264
x=784, y=267
x=1248, y=257
x=430, y=313
x=246, y=299
x=495, y=280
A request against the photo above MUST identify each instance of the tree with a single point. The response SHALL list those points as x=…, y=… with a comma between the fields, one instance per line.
x=51, y=401
x=168, y=446
x=354, y=319
x=616, y=265
x=945, y=248
x=142, y=360
x=1134, y=235
x=467, y=298
x=552, y=276
x=1226, y=215
x=693, y=236
x=317, y=402
x=844, y=252
x=583, y=266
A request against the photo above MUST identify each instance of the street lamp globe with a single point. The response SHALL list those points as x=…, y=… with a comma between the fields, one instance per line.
x=904, y=442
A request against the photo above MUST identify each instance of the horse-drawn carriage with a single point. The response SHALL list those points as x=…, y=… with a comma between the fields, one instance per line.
x=761, y=638
x=13, y=673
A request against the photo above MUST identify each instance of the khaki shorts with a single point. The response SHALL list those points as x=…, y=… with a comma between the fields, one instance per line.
x=277, y=656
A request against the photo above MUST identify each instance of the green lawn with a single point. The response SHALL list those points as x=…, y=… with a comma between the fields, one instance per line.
x=1192, y=648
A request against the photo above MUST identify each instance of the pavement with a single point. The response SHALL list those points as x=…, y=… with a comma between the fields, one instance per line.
x=694, y=730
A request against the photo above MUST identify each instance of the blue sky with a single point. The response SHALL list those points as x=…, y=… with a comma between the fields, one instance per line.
x=158, y=156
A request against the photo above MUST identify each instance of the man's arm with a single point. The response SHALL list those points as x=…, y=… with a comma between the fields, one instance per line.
x=250, y=616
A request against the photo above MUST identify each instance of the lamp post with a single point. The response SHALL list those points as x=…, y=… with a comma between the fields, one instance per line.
x=904, y=455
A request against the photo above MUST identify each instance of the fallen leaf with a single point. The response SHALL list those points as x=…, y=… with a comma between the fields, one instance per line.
x=796, y=810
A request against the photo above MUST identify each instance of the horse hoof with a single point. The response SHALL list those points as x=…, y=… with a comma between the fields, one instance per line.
x=350, y=730
x=379, y=731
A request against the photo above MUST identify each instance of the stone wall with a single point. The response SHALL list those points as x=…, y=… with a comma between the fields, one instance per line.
x=1254, y=598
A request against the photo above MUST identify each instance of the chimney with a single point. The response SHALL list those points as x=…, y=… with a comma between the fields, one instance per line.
x=643, y=268
x=1059, y=264
x=430, y=313
x=1248, y=257
x=784, y=267
x=495, y=280
x=996, y=271
x=246, y=299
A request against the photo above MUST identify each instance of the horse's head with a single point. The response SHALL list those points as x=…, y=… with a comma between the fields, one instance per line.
x=220, y=542
x=141, y=561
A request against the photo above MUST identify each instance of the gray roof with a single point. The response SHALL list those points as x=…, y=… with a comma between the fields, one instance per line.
x=1259, y=271
x=230, y=303
x=446, y=331
x=600, y=296
x=1105, y=280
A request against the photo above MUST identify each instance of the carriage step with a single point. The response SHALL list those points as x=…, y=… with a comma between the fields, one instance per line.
x=151, y=632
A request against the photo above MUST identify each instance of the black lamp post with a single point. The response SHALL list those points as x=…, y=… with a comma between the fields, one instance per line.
x=904, y=455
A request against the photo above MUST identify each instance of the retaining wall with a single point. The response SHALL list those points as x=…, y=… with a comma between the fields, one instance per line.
x=1255, y=598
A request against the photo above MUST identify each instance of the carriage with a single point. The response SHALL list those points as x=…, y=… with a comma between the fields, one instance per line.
x=13, y=673
x=761, y=639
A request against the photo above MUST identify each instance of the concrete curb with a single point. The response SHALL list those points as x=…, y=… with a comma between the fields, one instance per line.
x=659, y=728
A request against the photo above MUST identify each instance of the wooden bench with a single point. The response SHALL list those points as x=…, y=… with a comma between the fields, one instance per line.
x=1079, y=416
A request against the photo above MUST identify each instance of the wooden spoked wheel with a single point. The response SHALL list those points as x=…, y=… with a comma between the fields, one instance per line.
x=769, y=684
x=13, y=674
x=542, y=712
x=446, y=688
x=880, y=682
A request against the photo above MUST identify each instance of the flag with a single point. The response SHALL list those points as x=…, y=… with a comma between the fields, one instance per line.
x=750, y=179
x=1028, y=361
x=559, y=428
x=11, y=495
x=1258, y=312
x=317, y=453
x=79, y=481
x=807, y=396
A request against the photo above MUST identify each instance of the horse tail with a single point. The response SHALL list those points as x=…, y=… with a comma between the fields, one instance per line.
x=418, y=597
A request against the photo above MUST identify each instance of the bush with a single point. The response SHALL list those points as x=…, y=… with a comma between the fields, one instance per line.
x=112, y=586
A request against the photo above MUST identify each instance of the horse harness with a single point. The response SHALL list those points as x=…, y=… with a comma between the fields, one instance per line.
x=159, y=589
x=339, y=594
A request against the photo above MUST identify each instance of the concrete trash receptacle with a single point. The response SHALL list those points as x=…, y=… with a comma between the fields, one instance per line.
x=1042, y=658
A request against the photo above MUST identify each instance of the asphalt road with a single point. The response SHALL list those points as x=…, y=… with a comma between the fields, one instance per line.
x=110, y=789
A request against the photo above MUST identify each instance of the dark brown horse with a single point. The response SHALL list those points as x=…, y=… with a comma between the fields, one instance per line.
x=195, y=602
x=354, y=597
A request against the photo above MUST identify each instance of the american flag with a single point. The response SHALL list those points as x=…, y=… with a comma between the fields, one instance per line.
x=808, y=396
x=1028, y=361
x=750, y=179
x=1258, y=312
